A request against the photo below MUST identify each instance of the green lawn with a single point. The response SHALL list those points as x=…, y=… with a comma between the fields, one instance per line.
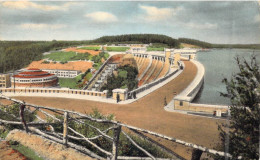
x=91, y=48
x=117, y=49
x=67, y=56
x=155, y=49
x=70, y=82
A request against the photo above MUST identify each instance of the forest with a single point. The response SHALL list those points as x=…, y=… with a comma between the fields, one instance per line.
x=18, y=54
x=140, y=38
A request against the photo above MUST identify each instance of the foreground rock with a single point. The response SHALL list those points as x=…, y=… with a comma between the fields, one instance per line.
x=44, y=147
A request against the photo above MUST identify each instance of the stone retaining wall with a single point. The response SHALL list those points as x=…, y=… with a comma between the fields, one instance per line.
x=52, y=91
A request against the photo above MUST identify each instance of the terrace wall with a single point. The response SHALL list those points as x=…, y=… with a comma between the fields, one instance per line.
x=52, y=92
x=41, y=84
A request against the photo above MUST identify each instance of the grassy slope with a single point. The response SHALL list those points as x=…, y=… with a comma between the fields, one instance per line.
x=70, y=82
x=91, y=48
x=117, y=49
x=155, y=49
x=66, y=56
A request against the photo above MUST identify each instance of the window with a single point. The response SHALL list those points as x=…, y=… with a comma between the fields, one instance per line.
x=181, y=103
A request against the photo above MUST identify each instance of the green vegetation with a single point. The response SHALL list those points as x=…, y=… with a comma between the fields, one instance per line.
x=89, y=76
x=117, y=49
x=122, y=73
x=195, y=42
x=96, y=48
x=18, y=54
x=139, y=38
x=98, y=59
x=241, y=136
x=77, y=82
x=67, y=56
x=210, y=45
x=126, y=77
x=45, y=62
x=126, y=148
x=97, y=66
x=27, y=152
x=155, y=49
x=3, y=133
x=14, y=110
x=72, y=83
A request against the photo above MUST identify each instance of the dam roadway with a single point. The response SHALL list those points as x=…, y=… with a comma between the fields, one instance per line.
x=148, y=113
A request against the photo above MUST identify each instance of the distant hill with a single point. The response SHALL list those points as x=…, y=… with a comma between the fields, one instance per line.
x=139, y=38
x=186, y=45
x=203, y=44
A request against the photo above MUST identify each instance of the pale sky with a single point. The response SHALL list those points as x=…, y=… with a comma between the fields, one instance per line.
x=214, y=22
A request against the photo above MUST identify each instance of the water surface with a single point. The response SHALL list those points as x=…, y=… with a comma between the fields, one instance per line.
x=220, y=63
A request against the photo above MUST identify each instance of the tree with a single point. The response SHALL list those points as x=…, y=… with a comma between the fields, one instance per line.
x=241, y=137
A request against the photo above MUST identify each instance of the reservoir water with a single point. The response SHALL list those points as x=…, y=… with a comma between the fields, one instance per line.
x=219, y=64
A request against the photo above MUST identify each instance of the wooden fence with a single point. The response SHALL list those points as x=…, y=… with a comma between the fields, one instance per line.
x=78, y=118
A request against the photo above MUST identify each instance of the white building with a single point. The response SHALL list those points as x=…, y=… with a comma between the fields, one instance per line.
x=63, y=73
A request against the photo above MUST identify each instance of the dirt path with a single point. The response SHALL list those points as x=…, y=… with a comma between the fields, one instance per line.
x=148, y=113
x=7, y=153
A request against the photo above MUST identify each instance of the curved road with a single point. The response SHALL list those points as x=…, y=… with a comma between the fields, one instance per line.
x=148, y=113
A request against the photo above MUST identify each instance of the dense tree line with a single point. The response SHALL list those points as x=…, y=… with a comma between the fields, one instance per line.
x=141, y=38
x=239, y=46
x=195, y=42
x=18, y=54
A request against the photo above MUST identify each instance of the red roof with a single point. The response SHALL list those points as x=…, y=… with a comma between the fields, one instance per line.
x=33, y=69
x=33, y=73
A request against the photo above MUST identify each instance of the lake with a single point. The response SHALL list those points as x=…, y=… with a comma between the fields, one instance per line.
x=219, y=63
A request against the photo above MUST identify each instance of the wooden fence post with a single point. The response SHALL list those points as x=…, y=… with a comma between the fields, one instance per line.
x=22, y=106
x=117, y=132
x=65, y=128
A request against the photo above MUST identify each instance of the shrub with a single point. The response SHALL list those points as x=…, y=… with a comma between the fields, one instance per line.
x=45, y=62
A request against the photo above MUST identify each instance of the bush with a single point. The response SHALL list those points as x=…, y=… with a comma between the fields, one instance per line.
x=126, y=77
x=45, y=62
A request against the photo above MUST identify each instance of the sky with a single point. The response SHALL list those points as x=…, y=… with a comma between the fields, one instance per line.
x=225, y=22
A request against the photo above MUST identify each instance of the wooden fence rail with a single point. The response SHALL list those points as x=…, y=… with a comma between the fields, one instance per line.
x=78, y=117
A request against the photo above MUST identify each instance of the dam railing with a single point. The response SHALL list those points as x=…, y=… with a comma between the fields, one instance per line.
x=67, y=139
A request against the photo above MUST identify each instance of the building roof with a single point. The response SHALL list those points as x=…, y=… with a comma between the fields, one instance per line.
x=33, y=73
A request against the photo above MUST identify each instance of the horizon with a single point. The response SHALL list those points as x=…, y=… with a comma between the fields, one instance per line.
x=213, y=22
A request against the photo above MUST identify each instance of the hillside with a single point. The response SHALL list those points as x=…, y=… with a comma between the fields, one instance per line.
x=203, y=44
x=140, y=38
x=18, y=54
